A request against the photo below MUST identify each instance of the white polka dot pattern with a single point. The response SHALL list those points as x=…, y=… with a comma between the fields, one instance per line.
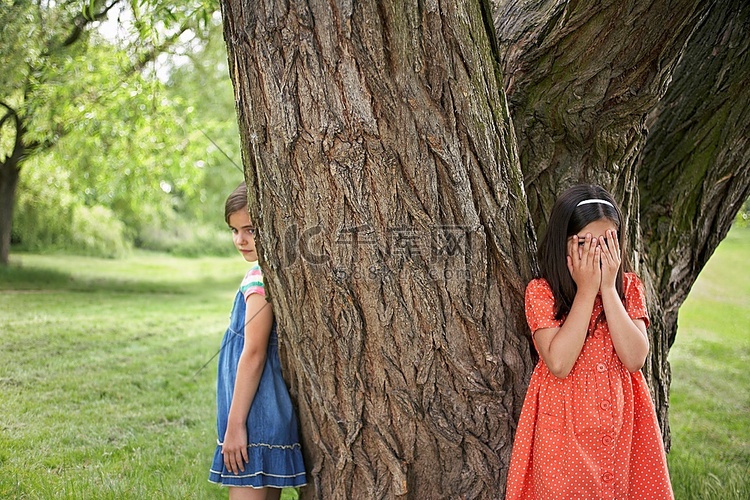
x=593, y=434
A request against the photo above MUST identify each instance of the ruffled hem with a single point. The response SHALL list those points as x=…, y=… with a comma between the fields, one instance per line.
x=268, y=467
x=260, y=480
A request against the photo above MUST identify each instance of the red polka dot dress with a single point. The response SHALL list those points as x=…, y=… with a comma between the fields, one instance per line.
x=593, y=434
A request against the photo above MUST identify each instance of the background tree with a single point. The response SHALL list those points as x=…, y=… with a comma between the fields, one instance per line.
x=40, y=42
x=375, y=133
x=105, y=129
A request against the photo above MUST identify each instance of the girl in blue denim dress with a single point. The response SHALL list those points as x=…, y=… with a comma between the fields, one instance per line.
x=258, y=450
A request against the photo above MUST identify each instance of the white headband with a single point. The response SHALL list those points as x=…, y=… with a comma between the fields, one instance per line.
x=595, y=200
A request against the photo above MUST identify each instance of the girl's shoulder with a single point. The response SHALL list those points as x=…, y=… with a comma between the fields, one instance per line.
x=538, y=288
x=540, y=306
x=635, y=297
x=253, y=281
x=631, y=279
x=537, y=283
x=632, y=287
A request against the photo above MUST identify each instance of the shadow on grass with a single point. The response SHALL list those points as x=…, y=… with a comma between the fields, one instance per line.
x=21, y=278
x=15, y=277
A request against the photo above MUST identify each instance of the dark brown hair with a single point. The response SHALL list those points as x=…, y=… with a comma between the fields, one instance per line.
x=236, y=201
x=567, y=219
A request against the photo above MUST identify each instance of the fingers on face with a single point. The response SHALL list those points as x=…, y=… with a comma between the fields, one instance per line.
x=573, y=247
x=612, y=245
x=597, y=260
x=606, y=246
x=582, y=251
x=592, y=249
x=615, y=241
x=588, y=248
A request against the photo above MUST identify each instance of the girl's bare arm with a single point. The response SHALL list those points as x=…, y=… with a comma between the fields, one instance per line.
x=628, y=335
x=258, y=324
x=560, y=347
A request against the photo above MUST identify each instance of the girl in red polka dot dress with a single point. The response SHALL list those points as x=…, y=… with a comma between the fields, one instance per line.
x=588, y=429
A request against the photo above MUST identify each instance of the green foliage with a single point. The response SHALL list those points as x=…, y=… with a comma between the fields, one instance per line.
x=44, y=55
x=50, y=218
x=205, y=88
x=44, y=211
x=149, y=153
x=97, y=232
x=113, y=134
x=186, y=239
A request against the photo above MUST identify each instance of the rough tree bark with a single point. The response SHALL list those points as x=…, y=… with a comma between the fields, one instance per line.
x=391, y=187
x=381, y=136
x=581, y=81
x=649, y=104
x=581, y=78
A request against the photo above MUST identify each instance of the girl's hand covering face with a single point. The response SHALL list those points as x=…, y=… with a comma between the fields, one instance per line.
x=611, y=259
x=584, y=262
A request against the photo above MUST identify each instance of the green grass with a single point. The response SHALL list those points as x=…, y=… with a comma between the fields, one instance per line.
x=101, y=393
x=710, y=394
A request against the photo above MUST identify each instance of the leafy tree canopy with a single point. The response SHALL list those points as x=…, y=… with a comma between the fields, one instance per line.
x=139, y=124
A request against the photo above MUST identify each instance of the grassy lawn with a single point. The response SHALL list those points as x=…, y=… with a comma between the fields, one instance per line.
x=710, y=397
x=101, y=393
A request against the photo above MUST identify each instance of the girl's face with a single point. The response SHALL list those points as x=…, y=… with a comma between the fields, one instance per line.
x=599, y=229
x=243, y=234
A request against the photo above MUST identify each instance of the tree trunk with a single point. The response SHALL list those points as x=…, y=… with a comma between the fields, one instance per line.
x=397, y=237
x=10, y=169
x=9, y=173
x=378, y=141
x=581, y=78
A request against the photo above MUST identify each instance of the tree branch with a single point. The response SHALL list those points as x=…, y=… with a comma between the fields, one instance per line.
x=10, y=114
x=700, y=129
x=19, y=148
x=694, y=174
x=80, y=21
x=156, y=50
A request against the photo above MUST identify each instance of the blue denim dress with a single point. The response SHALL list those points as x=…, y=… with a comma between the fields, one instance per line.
x=275, y=457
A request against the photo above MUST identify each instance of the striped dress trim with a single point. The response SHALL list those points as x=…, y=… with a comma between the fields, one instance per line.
x=253, y=282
